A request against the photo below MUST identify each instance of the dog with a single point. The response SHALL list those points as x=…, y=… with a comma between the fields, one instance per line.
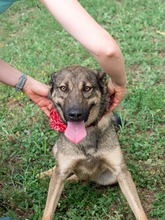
x=89, y=148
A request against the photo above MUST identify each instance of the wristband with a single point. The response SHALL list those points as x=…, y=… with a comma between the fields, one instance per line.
x=21, y=82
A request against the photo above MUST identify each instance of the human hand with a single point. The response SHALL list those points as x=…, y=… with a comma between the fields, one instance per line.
x=116, y=94
x=38, y=93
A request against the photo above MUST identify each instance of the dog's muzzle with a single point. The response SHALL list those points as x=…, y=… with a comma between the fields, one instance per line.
x=76, y=114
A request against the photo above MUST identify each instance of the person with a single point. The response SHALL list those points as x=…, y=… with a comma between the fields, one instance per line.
x=97, y=41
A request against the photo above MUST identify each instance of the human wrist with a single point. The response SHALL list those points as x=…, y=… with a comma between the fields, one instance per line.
x=27, y=84
x=21, y=82
x=121, y=85
x=120, y=79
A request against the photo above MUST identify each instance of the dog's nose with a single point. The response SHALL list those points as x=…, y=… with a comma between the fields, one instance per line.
x=76, y=114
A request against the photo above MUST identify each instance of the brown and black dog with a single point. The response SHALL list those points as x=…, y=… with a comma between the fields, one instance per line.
x=89, y=148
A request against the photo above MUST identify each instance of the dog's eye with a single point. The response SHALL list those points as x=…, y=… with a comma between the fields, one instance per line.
x=87, y=88
x=63, y=88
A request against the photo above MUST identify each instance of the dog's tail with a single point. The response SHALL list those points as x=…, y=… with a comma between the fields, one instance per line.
x=119, y=121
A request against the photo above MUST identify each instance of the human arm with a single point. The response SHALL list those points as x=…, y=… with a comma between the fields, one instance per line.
x=76, y=21
x=35, y=90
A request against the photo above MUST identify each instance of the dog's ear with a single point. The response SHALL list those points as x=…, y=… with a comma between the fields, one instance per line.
x=52, y=84
x=101, y=77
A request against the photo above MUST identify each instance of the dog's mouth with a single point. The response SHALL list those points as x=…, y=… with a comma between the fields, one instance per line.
x=75, y=118
x=75, y=131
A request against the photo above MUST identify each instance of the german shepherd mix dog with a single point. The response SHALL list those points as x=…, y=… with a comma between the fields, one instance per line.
x=89, y=148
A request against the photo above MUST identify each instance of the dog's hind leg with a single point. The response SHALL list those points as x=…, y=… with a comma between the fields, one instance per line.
x=73, y=178
x=129, y=190
x=106, y=178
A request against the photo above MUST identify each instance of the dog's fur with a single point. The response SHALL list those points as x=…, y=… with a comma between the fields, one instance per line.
x=98, y=156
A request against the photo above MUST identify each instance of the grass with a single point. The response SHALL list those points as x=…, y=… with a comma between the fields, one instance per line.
x=33, y=42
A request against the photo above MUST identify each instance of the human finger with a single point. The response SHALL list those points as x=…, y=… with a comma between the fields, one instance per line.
x=46, y=111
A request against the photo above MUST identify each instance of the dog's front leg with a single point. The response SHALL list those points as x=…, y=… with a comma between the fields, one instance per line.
x=129, y=190
x=115, y=162
x=55, y=189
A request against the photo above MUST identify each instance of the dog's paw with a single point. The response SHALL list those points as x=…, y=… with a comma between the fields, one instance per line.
x=44, y=174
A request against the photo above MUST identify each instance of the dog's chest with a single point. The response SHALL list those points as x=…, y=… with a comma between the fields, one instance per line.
x=89, y=168
x=87, y=159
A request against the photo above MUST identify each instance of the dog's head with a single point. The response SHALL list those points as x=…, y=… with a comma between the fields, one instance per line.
x=79, y=94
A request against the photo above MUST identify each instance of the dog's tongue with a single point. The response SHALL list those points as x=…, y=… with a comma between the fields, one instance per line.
x=75, y=131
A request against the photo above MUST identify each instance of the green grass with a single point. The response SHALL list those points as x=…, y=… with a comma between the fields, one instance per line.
x=34, y=43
